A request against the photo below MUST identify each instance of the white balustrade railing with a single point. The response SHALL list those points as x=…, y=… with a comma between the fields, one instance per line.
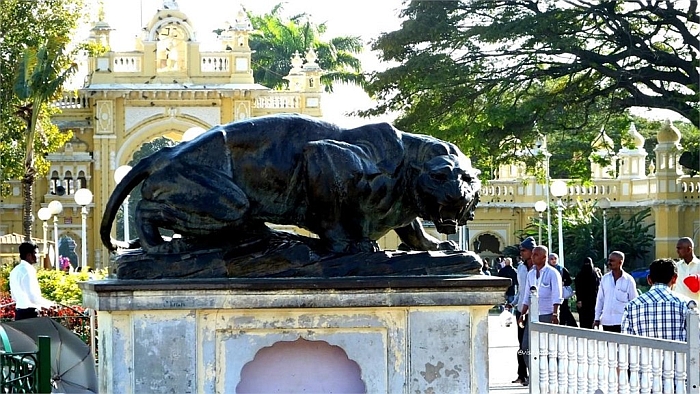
x=511, y=189
x=70, y=100
x=690, y=186
x=506, y=190
x=211, y=64
x=577, y=360
x=278, y=102
x=126, y=63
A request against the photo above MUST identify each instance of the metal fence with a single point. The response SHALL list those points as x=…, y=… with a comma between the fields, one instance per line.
x=25, y=372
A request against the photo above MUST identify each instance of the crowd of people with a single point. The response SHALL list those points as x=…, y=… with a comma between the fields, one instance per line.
x=610, y=301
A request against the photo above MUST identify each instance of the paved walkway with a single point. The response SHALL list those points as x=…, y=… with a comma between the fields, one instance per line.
x=503, y=366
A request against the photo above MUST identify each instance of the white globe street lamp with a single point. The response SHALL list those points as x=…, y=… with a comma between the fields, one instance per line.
x=559, y=190
x=55, y=208
x=44, y=215
x=192, y=133
x=604, y=204
x=119, y=174
x=83, y=197
x=540, y=206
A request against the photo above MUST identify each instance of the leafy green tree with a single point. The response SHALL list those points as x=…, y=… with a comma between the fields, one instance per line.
x=39, y=79
x=34, y=63
x=276, y=40
x=477, y=71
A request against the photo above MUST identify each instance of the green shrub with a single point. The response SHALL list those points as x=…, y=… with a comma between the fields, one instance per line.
x=57, y=286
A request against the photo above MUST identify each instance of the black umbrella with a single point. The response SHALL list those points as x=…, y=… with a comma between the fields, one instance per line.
x=72, y=364
x=15, y=341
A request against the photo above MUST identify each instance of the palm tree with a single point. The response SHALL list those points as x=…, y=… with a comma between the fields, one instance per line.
x=40, y=76
x=275, y=42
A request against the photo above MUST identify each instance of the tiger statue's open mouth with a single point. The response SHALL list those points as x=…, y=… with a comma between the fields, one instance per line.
x=448, y=192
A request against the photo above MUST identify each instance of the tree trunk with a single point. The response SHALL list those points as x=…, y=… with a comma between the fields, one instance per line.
x=28, y=199
x=29, y=172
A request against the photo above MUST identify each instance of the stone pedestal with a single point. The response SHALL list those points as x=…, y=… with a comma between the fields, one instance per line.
x=394, y=334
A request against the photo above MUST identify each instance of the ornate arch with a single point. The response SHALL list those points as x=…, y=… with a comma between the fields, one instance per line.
x=498, y=238
x=151, y=128
x=353, y=353
x=77, y=239
x=172, y=20
x=341, y=370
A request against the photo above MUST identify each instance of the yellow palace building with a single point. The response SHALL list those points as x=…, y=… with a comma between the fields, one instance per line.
x=167, y=87
x=628, y=182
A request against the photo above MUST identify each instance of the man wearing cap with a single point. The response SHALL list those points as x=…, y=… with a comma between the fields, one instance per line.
x=688, y=283
x=526, y=254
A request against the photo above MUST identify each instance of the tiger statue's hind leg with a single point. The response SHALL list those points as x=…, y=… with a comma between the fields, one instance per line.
x=194, y=201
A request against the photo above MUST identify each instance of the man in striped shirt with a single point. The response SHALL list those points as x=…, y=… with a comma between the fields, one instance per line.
x=658, y=313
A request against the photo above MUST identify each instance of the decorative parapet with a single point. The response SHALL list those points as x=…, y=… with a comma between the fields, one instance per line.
x=215, y=63
x=127, y=63
x=282, y=101
x=600, y=189
x=494, y=190
x=517, y=191
x=72, y=100
x=132, y=62
x=690, y=187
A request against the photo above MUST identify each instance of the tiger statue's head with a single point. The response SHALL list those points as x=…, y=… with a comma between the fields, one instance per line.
x=446, y=187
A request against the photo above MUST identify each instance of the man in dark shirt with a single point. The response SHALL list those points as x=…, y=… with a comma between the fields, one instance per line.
x=509, y=272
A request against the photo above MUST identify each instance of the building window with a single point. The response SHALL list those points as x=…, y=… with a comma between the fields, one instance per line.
x=68, y=183
x=55, y=187
x=82, y=180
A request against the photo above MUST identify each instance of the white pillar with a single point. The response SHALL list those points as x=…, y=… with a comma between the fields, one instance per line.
x=55, y=240
x=83, y=245
x=126, y=219
x=560, y=209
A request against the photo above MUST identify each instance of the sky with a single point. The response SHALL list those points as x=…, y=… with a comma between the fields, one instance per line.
x=364, y=18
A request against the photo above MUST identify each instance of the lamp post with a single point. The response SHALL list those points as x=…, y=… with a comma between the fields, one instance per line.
x=558, y=191
x=83, y=197
x=542, y=146
x=55, y=208
x=119, y=174
x=540, y=206
x=604, y=204
x=44, y=215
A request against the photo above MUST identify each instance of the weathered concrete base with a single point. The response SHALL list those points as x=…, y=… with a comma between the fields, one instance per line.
x=406, y=334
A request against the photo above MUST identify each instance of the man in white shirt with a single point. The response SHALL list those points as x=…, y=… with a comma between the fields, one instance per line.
x=24, y=285
x=547, y=281
x=688, y=282
x=617, y=288
x=526, y=248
